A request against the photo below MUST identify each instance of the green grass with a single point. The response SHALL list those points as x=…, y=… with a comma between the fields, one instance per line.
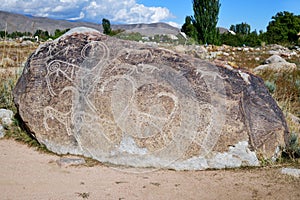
x=18, y=132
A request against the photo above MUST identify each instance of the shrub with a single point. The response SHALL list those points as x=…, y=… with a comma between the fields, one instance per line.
x=292, y=151
x=271, y=86
x=6, y=97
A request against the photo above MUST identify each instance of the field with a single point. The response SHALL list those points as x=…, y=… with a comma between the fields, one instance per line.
x=30, y=174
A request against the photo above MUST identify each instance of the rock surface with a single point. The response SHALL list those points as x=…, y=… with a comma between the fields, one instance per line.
x=130, y=104
x=5, y=119
x=277, y=64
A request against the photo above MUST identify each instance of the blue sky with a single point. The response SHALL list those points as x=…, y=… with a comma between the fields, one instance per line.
x=257, y=13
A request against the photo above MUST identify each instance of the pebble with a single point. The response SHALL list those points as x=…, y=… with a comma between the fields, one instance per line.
x=291, y=171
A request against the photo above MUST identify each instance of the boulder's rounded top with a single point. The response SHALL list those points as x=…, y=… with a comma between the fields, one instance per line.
x=81, y=30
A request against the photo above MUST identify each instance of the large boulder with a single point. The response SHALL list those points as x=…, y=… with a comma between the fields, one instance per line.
x=126, y=103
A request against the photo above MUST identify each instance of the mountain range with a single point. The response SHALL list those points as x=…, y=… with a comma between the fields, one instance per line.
x=12, y=22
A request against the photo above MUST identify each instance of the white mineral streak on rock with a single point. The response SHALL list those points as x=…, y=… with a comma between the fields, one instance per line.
x=245, y=77
x=237, y=156
x=128, y=145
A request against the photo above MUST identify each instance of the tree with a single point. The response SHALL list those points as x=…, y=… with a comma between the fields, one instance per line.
x=242, y=36
x=242, y=28
x=283, y=28
x=106, y=26
x=44, y=35
x=188, y=28
x=59, y=33
x=205, y=20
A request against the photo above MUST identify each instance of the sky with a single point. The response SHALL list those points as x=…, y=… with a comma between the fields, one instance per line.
x=256, y=13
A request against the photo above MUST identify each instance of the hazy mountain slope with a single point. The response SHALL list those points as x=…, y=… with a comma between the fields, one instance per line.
x=16, y=22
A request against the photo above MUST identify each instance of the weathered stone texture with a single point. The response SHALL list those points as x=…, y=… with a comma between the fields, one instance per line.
x=126, y=103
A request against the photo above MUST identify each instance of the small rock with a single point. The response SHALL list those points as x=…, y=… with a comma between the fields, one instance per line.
x=225, y=54
x=2, y=133
x=272, y=52
x=257, y=59
x=291, y=171
x=70, y=161
x=6, y=116
x=274, y=59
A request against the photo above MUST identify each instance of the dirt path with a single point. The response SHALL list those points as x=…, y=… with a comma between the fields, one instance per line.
x=28, y=174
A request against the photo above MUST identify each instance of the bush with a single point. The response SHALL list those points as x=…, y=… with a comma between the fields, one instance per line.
x=292, y=151
x=271, y=86
x=130, y=36
x=6, y=97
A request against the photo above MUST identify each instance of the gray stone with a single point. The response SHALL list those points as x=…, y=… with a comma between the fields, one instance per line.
x=2, y=133
x=291, y=171
x=131, y=104
x=237, y=156
x=70, y=161
x=274, y=59
x=6, y=116
x=277, y=64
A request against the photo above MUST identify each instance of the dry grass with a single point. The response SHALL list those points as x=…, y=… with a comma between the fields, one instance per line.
x=13, y=55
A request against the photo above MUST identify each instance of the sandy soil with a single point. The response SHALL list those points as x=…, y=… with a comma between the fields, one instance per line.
x=29, y=174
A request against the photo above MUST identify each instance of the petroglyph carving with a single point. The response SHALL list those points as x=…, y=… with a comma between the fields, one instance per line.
x=126, y=103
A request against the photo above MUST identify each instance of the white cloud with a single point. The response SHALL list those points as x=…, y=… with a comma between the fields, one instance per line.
x=81, y=16
x=126, y=11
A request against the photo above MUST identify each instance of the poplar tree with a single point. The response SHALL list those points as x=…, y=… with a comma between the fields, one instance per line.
x=188, y=28
x=205, y=20
x=106, y=26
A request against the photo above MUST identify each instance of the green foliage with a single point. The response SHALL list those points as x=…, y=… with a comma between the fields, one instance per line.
x=242, y=28
x=292, y=151
x=106, y=26
x=59, y=33
x=188, y=28
x=116, y=32
x=16, y=34
x=286, y=91
x=251, y=39
x=271, y=86
x=130, y=36
x=18, y=132
x=43, y=35
x=243, y=36
x=6, y=97
x=205, y=20
x=107, y=29
x=283, y=28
